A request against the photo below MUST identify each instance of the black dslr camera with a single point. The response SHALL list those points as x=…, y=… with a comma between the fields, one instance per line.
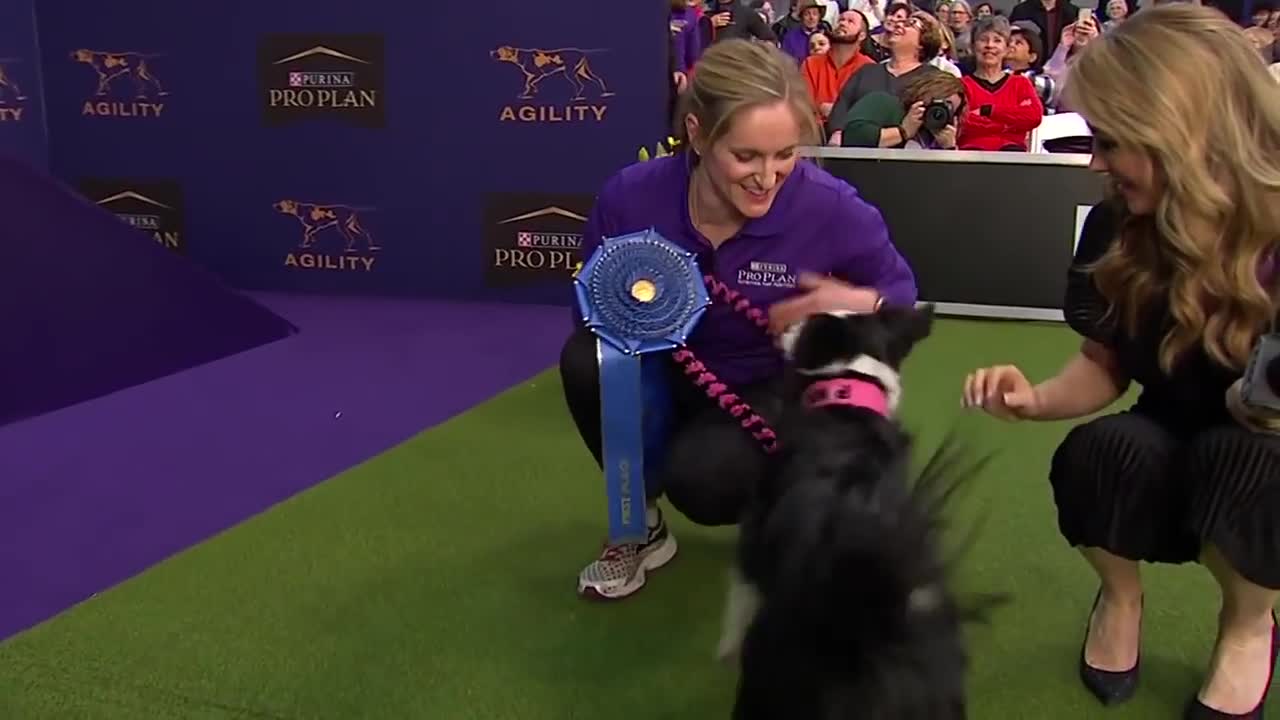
x=1260, y=386
x=937, y=115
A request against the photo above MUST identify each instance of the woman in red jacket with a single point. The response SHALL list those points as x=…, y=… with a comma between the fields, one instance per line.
x=1003, y=106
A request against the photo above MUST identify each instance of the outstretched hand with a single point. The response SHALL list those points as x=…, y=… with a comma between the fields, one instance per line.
x=822, y=294
x=1002, y=391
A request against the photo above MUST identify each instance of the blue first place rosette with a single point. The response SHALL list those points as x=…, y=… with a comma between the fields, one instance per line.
x=639, y=294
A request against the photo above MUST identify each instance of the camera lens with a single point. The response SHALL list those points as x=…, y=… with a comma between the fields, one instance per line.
x=937, y=115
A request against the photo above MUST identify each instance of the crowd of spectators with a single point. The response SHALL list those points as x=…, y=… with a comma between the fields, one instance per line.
x=943, y=74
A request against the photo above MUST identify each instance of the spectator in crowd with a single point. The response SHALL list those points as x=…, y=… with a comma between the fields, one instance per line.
x=1117, y=11
x=764, y=9
x=1074, y=38
x=1172, y=285
x=819, y=44
x=945, y=60
x=1265, y=41
x=794, y=19
x=883, y=120
x=1262, y=11
x=827, y=74
x=1026, y=49
x=796, y=42
x=872, y=10
x=1002, y=106
x=913, y=43
x=961, y=23
x=877, y=46
x=982, y=10
x=942, y=11
x=1025, y=58
x=737, y=191
x=1051, y=16
x=733, y=20
x=685, y=45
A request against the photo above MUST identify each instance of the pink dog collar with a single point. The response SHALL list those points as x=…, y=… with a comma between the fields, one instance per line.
x=850, y=392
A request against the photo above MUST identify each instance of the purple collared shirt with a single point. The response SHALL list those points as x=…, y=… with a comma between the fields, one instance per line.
x=817, y=224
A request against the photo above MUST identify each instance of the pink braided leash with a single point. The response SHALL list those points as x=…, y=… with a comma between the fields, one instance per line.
x=703, y=378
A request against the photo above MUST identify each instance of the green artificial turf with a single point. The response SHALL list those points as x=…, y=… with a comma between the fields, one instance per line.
x=436, y=581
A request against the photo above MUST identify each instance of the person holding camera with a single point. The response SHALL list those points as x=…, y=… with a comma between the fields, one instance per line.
x=1173, y=285
x=925, y=117
x=731, y=20
x=1003, y=106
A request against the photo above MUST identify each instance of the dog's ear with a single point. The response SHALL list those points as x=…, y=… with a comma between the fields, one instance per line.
x=907, y=327
x=814, y=342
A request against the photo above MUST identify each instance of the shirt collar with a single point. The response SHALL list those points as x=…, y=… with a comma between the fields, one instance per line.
x=772, y=223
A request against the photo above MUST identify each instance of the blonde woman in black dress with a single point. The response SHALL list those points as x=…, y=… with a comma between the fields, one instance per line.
x=1173, y=282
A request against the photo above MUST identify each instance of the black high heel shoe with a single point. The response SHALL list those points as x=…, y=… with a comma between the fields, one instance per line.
x=1109, y=686
x=1197, y=710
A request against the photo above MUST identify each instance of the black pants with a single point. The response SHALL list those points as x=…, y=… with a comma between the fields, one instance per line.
x=712, y=463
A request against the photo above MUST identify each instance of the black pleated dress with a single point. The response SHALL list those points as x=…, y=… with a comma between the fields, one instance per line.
x=1173, y=473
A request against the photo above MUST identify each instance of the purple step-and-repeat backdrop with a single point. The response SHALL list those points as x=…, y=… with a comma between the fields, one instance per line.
x=22, y=125
x=375, y=148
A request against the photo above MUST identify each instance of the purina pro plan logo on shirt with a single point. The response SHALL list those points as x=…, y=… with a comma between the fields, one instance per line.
x=767, y=274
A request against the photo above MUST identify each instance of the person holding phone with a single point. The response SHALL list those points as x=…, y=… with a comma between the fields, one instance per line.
x=1173, y=283
x=1051, y=16
x=733, y=20
x=1073, y=39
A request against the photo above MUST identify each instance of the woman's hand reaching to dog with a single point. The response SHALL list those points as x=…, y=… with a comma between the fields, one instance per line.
x=1091, y=380
x=1002, y=391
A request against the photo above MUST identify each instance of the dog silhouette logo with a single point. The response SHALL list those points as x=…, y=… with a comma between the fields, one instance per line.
x=10, y=91
x=12, y=99
x=112, y=66
x=316, y=218
x=536, y=65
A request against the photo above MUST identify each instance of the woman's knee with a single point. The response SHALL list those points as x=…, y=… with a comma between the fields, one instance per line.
x=1112, y=448
x=711, y=469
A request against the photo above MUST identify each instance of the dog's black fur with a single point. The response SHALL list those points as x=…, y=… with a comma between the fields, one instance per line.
x=855, y=620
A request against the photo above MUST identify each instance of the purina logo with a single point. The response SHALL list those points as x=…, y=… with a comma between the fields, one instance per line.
x=153, y=207
x=305, y=77
x=331, y=237
x=532, y=239
x=124, y=84
x=13, y=101
x=558, y=86
x=766, y=274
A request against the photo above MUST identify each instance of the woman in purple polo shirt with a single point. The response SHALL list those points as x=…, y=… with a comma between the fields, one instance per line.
x=788, y=237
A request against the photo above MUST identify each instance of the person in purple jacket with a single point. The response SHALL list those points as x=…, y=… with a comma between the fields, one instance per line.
x=685, y=41
x=796, y=41
x=786, y=235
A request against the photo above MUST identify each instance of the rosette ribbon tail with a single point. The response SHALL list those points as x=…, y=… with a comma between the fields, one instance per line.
x=641, y=296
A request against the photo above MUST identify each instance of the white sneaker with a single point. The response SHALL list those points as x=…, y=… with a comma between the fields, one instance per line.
x=621, y=569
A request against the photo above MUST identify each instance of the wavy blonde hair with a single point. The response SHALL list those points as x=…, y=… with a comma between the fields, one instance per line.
x=1182, y=85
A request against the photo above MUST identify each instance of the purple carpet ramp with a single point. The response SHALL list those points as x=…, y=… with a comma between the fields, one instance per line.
x=91, y=305
x=93, y=494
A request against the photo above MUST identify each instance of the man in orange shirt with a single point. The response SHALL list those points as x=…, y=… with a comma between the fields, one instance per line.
x=827, y=74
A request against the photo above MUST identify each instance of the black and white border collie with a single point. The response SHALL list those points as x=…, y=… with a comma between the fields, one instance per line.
x=838, y=606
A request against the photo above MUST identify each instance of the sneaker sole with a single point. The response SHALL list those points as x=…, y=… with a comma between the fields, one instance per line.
x=648, y=564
